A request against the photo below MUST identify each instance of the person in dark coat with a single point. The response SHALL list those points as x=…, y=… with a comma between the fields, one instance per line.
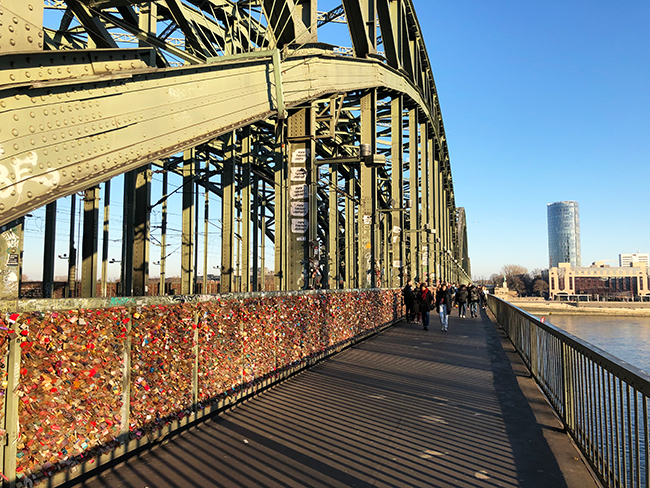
x=409, y=301
x=443, y=305
x=473, y=293
x=425, y=302
x=461, y=300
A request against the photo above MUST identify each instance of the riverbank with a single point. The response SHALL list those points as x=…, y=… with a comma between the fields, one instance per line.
x=608, y=309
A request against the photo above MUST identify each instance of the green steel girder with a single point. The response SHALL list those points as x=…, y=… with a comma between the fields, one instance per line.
x=100, y=113
x=124, y=118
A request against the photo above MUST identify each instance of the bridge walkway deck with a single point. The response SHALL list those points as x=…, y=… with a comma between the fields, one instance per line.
x=406, y=408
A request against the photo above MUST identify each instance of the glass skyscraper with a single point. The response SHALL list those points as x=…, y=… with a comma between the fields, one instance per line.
x=564, y=234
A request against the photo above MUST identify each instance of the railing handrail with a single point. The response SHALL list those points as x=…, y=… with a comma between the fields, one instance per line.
x=59, y=304
x=616, y=366
x=602, y=401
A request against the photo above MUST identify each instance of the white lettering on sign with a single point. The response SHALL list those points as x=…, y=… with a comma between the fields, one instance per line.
x=299, y=192
x=298, y=174
x=299, y=209
x=299, y=226
x=300, y=155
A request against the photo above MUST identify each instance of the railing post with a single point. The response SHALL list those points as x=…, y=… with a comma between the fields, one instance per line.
x=195, y=369
x=11, y=412
x=126, y=381
x=565, y=415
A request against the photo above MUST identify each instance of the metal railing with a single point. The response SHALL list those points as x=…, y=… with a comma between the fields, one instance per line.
x=602, y=400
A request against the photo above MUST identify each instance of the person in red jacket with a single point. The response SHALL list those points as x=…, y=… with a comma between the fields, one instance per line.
x=425, y=302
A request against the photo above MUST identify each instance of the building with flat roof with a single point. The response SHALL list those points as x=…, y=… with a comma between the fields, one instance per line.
x=599, y=281
x=563, y=233
x=626, y=259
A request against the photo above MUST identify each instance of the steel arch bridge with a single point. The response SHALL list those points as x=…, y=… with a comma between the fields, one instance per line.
x=335, y=155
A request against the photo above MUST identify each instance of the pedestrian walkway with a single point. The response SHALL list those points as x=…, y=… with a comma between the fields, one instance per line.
x=406, y=408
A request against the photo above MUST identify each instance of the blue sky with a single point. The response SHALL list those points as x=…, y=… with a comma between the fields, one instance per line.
x=542, y=102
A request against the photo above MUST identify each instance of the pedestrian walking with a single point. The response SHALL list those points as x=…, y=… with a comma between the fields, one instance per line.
x=473, y=295
x=425, y=302
x=461, y=300
x=483, y=296
x=443, y=305
x=409, y=301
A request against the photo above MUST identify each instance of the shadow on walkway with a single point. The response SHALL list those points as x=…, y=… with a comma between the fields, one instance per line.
x=406, y=408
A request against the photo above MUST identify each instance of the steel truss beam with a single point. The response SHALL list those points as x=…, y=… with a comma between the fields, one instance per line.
x=99, y=113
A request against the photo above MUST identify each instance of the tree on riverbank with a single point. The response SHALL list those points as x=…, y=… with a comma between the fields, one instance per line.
x=519, y=279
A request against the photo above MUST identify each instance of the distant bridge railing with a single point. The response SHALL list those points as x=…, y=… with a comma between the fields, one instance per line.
x=87, y=381
x=602, y=401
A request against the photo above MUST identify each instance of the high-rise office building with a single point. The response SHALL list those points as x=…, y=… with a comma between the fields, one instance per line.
x=564, y=234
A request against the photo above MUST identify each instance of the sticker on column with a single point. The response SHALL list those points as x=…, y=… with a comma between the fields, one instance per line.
x=367, y=219
x=300, y=155
x=299, y=209
x=299, y=226
x=298, y=174
x=397, y=264
x=299, y=192
x=397, y=230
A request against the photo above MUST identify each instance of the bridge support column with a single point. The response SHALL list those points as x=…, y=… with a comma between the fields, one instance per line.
x=90, y=243
x=424, y=202
x=333, y=254
x=49, y=250
x=367, y=218
x=11, y=245
x=72, y=251
x=141, y=237
x=263, y=243
x=395, y=266
x=431, y=205
x=187, y=239
x=435, y=202
x=128, y=234
x=281, y=191
x=206, y=225
x=258, y=221
x=228, y=214
x=246, y=158
x=351, y=274
x=414, y=190
x=301, y=198
x=105, y=234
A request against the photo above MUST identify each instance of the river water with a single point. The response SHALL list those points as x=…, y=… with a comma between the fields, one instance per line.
x=627, y=338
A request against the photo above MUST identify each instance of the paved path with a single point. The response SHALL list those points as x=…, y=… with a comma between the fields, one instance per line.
x=406, y=408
